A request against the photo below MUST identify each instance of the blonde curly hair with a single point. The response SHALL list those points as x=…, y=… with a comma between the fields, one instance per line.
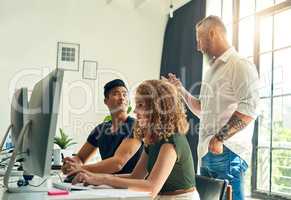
x=165, y=109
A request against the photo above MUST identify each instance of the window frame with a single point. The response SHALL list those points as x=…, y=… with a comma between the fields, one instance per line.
x=277, y=8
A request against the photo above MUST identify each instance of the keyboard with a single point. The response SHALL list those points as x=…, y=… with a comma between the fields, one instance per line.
x=69, y=186
x=77, y=187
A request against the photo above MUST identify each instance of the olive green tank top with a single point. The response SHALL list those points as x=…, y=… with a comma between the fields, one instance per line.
x=183, y=174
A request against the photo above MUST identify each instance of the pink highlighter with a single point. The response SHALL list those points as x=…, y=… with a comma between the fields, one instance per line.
x=58, y=192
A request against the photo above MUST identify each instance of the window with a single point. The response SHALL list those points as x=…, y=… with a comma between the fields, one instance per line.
x=273, y=154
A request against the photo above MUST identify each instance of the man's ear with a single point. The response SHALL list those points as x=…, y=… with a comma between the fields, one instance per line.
x=105, y=100
x=211, y=34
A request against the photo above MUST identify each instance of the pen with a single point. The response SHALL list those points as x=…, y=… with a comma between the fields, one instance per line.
x=62, y=155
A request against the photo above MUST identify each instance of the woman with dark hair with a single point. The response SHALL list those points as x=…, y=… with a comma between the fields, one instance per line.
x=166, y=168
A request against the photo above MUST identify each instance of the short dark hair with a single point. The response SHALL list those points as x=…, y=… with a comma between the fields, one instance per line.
x=113, y=84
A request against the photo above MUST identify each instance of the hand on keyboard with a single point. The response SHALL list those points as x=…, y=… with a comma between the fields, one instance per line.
x=69, y=179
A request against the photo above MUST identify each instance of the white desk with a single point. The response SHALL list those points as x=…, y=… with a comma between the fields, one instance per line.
x=92, y=194
x=98, y=194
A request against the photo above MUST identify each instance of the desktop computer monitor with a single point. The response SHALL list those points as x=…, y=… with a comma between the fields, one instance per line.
x=37, y=135
x=18, y=109
x=43, y=113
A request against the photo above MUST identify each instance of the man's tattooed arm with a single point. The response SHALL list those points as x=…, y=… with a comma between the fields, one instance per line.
x=237, y=122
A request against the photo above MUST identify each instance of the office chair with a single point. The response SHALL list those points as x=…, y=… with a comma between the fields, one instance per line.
x=211, y=188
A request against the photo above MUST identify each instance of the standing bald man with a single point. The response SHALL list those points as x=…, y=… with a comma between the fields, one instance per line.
x=226, y=107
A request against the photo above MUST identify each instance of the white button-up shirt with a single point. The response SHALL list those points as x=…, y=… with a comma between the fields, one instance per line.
x=229, y=85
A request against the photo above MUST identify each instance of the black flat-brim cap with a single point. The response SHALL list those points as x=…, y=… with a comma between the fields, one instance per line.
x=113, y=84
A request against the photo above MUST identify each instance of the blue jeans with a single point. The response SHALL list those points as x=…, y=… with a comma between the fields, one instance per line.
x=227, y=165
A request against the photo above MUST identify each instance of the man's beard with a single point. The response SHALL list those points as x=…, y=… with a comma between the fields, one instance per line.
x=206, y=55
x=207, y=58
x=119, y=108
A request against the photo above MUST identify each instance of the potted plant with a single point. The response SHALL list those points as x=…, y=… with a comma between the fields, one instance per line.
x=63, y=142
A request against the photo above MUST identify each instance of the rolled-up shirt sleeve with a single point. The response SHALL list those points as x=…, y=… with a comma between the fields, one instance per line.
x=245, y=84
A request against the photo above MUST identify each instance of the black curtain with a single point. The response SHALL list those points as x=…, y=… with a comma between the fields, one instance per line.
x=181, y=57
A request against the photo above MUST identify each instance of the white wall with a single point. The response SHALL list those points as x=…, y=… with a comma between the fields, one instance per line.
x=126, y=42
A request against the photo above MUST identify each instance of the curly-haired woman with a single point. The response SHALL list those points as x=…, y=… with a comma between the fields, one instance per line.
x=165, y=168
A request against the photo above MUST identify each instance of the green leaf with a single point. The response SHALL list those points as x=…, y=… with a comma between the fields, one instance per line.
x=71, y=144
x=63, y=141
x=107, y=118
x=129, y=109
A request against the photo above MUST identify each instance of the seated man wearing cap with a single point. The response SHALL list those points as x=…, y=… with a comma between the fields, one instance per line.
x=119, y=150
